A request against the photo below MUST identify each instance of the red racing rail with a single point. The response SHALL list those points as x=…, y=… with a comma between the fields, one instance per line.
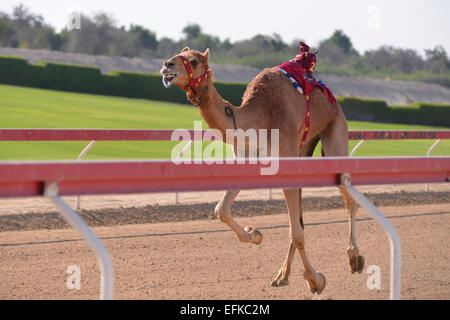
x=54, y=179
x=165, y=135
x=398, y=135
x=83, y=135
x=117, y=177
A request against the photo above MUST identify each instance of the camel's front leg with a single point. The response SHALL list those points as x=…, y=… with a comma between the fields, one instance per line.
x=315, y=280
x=223, y=212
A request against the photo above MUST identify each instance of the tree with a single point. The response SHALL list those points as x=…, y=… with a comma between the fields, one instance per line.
x=337, y=50
x=407, y=61
x=8, y=37
x=392, y=59
x=277, y=42
x=342, y=41
x=437, y=60
x=100, y=35
x=226, y=45
x=192, y=31
x=145, y=37
x=331, y=52
x=166, y=48
x=24, y=18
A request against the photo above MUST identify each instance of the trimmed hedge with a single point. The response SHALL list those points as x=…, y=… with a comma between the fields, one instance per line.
x=232, y=92
x=83, y=79
x=379, y=111
x=74, y=78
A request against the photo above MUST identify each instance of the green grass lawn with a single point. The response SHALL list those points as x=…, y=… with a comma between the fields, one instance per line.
x=35, y=108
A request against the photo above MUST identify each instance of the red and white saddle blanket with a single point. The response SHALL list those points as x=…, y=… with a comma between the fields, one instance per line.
x=305, y=85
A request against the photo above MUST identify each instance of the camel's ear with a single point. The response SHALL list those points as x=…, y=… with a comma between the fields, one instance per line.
x=206, y=54
x=185, y=49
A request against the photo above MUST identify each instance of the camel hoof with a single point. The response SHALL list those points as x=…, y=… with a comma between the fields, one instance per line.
x=283, y=283
x=280, y=283
x=317, y=287
x=256, y=236
x=356, y=264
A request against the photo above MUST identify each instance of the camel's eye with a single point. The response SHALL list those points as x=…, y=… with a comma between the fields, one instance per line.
x=194, y=63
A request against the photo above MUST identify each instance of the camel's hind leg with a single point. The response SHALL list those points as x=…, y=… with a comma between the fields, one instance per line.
x=335, y=143
x=356, y=261
x=223, y=212
x=282, y=278
x=315, y=280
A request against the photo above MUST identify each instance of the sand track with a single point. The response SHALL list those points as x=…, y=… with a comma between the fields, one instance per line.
x=203, y=260
x=197, y=211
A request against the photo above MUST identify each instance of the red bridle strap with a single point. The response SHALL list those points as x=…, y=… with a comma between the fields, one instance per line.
x=193, y=83
x=306, y=123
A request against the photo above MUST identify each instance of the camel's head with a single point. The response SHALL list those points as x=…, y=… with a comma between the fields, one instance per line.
x=183, y=68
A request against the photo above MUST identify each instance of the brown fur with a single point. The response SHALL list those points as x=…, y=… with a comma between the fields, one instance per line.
x=264, y=91
x=272, y=102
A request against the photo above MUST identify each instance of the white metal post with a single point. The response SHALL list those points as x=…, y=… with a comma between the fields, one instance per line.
x=433, y=147
x=106, y=266
x=394, y=240
x=428, y=154
x=82, y=154
x=357, y=147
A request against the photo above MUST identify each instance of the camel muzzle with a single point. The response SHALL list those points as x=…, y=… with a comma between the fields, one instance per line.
x=169, y=76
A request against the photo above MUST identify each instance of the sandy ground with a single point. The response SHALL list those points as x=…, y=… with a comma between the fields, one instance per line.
x=41, y=205
x=38, y=213
x=204, y=260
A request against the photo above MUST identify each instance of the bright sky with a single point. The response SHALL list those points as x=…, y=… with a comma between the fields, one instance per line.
x=417, y=24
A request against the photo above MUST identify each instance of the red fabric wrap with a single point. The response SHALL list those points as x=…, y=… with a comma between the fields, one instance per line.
x=303, y=47
x=306, y=123
x=308, y=84
x=306, y=59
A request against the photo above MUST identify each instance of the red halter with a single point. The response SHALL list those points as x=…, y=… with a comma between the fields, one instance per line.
x=193, y=83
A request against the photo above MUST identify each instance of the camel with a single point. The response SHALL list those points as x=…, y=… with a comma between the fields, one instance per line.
x=270, y=102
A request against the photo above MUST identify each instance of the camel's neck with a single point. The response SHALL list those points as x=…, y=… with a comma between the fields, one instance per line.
x=212, y=108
